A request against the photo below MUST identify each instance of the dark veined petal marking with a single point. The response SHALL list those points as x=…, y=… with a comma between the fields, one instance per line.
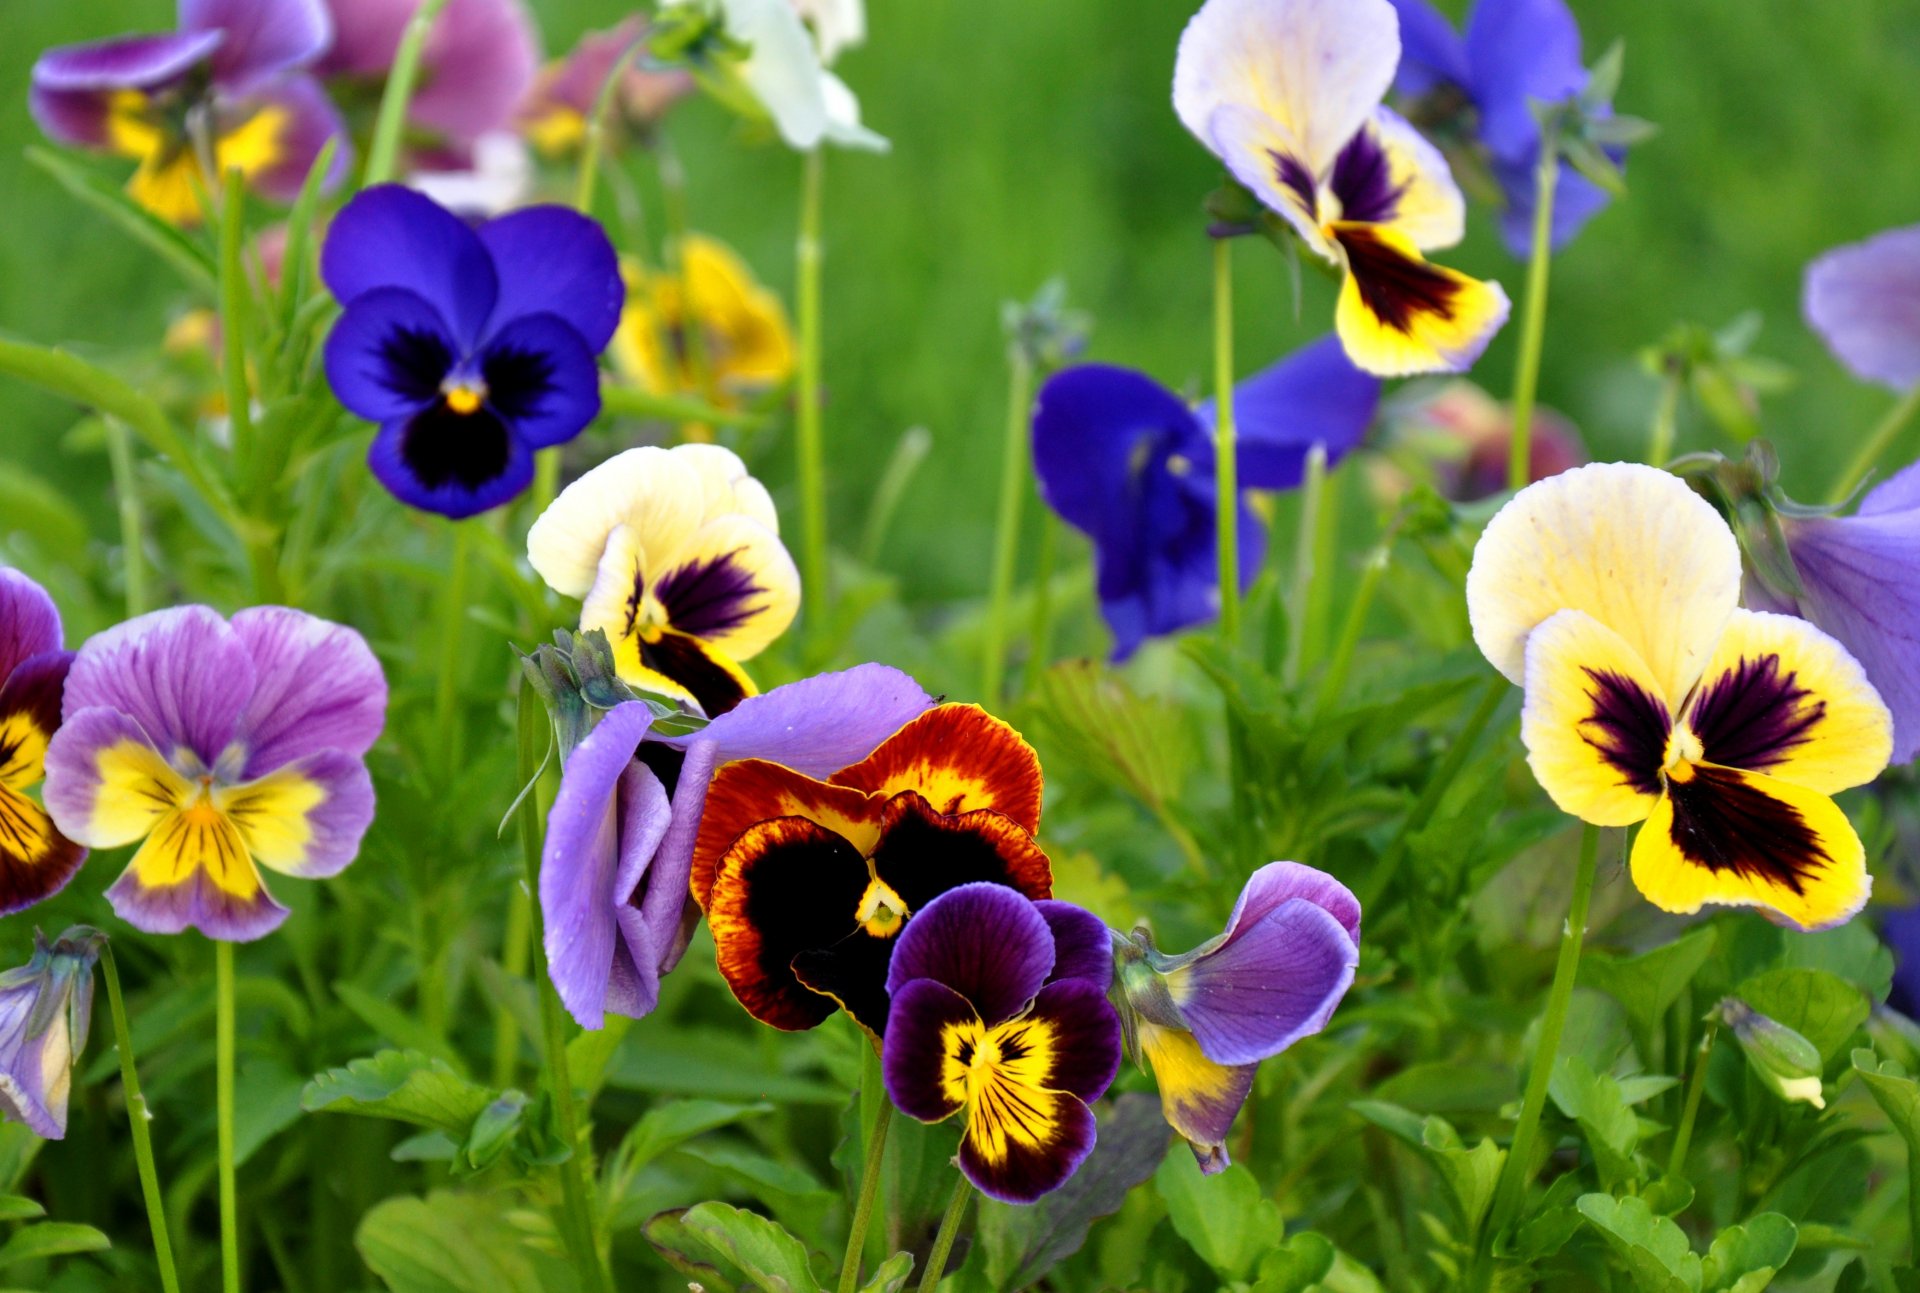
x=518, y=381
x=710, y=597
x=441, y=447
x=922, y=854
x=681, y=658
x=414, y=363
x=1363, y=181
x=1293, y=173
x=1022, y=1141
x=1629, y=727
x=1393, y=287
x=1755, y=715
x=36, y=860
x=1723, y=823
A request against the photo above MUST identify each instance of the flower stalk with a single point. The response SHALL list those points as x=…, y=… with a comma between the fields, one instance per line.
x=223, y=1098
x=383, y=154
x=126, y=491
x=869, y=1187
x=137, y=1119
x=1225, y=467
x=807, y=439
x=1006, y=545
x=949, y=1231
x=1875, y=446
x=1690, y=1111
x=1533, y=323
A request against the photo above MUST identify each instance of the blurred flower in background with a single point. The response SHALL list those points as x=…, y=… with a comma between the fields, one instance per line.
x=709, y=331
x=1456, y=437
x=553, y=116
x=1864, y=301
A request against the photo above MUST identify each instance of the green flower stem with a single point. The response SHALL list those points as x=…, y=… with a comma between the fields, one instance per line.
x=383, y=155
x=1875, y=446
x=1512, y=1189
x=137, y=1119
x=596, y=135
x=233, y=327
x=1696, y=1087
x=126, y=490
x=223, y=1099
x=1040, y=634
x=1533, y=323
x=1334, y=680
x=1226, y=513
x=453, y=622
x=1313, y=490
x=513, y=962
x=949, y=1231
x=1913, y=1205
x=869, y=1190
x=1006, y=544
x=576, y=1218
x=673, y=208
x=812, y=464
x=1666, y=416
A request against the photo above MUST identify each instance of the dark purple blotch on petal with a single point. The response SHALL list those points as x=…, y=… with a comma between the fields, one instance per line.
x=1629, y=726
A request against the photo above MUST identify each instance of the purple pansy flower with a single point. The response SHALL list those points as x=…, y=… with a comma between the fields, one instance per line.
x=554, y=113
x=1864, y=301
x=1130, y=464
x=36, y=860
x=236, y=65
x=218, y=747
x=1000, y=1013
x=1515, y=53
x=1204, y=1020
x=471, y=348
x=619, y=850
x=45, y=1007
x=1900, y=930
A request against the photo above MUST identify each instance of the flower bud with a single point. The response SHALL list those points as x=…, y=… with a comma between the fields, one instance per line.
x=45, y=1006
x=1785, y=1061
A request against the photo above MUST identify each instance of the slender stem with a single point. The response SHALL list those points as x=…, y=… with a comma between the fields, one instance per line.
x=1533, y=323
x=577, y=1220
x=692, y=328
x=513, y=963
x=233, y=329
x=1696, y=1087
x=1226, y=511
x=1511, y=1191
x=595, y=141
x=126, y=490
x=1334, y=680
x=1878, y=441
x=812, y=466
x=383, y=154
x=453, y=621
x=223, y=1097
x=1006, y=543
x=137, y=1120
x=949, y=1231
x=1913, y=1204
x=1312, y=494
x=1040, y=633
x=1666, y=416
x=869, y=1190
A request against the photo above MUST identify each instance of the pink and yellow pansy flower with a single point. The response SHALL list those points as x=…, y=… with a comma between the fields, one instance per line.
x=1287, y=93
x=218, y=747
x=1611, y=592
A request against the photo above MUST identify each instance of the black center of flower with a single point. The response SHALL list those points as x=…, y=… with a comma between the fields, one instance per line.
x=1394, y=287
x=442, y=447
x=416, y=362
x=518, y=381
x=1363, y=181
x=682, y=660
x=1755, y=715
x=707, y=598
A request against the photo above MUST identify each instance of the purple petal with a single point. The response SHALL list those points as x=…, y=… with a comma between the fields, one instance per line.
x=1899, y=492
x=1082, y=944
x=1432, y=55
x=72, y=84
x=1864, y=300
x=329, y=832
x=388, y=354
x=317, y=686
x=552, y=260
x=366, y=36
x=647, y=906
x=985, y=941
x=1277, y=883
x=1083, y=1037
x=579, y=861
x=1278, y=979
x=816, y=726
x=1900, y=930
x=542, y=378
x=36, y=860
x=1315, y=395
x=914, y=1052
x=479, y=62
x=1029, y=1172
x=263, y=37
x=675, y=856
x=1576, y=200
x=1199, y=1097
x=390, y=236
x=309, y=120
x=195, y=903
x=1520, y=51
x=29, y=622
x=1088, y=424
x=24, y=1064
x=500, y=469
x=183, y=675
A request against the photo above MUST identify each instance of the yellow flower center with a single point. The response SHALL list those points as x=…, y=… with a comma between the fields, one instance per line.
x=1683, y=751
x=464, y=397
x=882, y=912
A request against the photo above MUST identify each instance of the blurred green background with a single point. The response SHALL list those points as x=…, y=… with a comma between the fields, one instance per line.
x=1034, y=138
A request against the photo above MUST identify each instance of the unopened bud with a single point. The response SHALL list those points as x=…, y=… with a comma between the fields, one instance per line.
x=1785, y=1061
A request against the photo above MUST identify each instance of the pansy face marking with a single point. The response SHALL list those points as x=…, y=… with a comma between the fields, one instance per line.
x=36, y=860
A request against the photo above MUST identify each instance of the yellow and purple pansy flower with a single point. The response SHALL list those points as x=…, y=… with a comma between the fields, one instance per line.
x=676, y=555
x=1000, y=1014
x=45, y=1008
x=218, y=748
x=36, y=860
x=1287, y=94
x=471, y=348
x=1611, y=593
x=807, y=883
x=614, y=874
x=234, y=71
x=1204, y=1020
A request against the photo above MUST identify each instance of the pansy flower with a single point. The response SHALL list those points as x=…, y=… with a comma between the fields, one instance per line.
x=233, y=66
x=1130, y=464
x=554, y=114
x=709, y=330
x=807, y=883
x=218, y=748
x=1864, y=301
x=614, y=874
x=1287, y=94
x=1204, y=1020
x=36, y=860
x=1611, y=593
x=1457, y=437
x=1484, y=86
x=836, y=24
x=676, y=554
x=1000, y=1014
x=45, y=1008
x=471, y=348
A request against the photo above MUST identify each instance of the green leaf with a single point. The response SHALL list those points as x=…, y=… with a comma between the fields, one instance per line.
x=396, y=1025
x=667, y=1125
x=1471, y=1174
x=1607, y=1123
x=1224, y=1218
x=32, y=506
x=892, y=1276
x=1139, y=745
x=1297, y=1265
x=1743, y=1259
x=1653, y=1248
x=193, y=262
x=1646, y=985
x=589, y=1054
x=774, y=1260
x=18, y=1207
x=1823, y=1008
x=446, y=1243
x=51, y=1239
x=405, y=1086
x=494, y=1129
x=1895, y=1092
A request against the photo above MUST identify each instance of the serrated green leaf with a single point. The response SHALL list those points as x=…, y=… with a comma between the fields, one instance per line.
x=446, y=1243
x=405, y=1086
x=1744, y=1258
x=1653, y=1248
x=51, y=1239
x=771, y=1258
x=1607, y=1123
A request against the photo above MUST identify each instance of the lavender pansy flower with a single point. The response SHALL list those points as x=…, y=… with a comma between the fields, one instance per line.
x=36, y=860
x=471, y=348
x=45, y=1007
x=1130, y=464
x=554, y=113
x=218, y=747
x=1204, y=1020
x=614, y=873
x=1864, y=301
x=999, y=1013
x=234, y=65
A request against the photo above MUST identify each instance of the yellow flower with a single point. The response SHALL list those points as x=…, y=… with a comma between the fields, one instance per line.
x=709, y=331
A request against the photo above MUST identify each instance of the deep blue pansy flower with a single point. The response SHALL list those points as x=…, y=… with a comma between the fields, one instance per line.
x=470, y=347
x=1483, y=86
x=1130, y=464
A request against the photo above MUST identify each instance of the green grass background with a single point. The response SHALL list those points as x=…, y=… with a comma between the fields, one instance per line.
x=1034, y=138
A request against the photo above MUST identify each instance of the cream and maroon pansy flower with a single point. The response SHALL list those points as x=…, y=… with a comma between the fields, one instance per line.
x=218, y=747
x=676, y=555
x=1611, y=593
x=1287, y=93
x=36, y=860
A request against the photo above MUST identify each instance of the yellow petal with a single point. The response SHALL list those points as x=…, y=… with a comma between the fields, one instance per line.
x=732, y=585
x=1399, y=314
x=137, y=790
x=1594, y=725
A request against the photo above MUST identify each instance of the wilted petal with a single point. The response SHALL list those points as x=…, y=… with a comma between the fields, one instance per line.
x=1864, y=300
